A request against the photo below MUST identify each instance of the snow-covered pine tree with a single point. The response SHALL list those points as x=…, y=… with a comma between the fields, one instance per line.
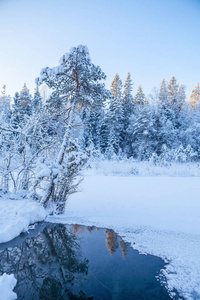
x=76, y=84
x=25, y=100
x=134, y=125
x=17, y=112
x=164, y=123
x=128, y=110
x=192, y=133
x=5, y=139
x=173, y=91
x=127, y=96
x=175, y=96
x=85, y=115
x=116, y=116
x=37, y=101
x=177, y=99
x=194, y=98
x=104, y=131
x=92, y=119
x=22, y=107
x=142, y=127
x=139, y=98
x=5, y=106
x=181, y=97
x=182, y=116
x=95, y=119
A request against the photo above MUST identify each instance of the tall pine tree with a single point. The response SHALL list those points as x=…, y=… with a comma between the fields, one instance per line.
x=116, y=116
x=128, y=110
x=195, y=96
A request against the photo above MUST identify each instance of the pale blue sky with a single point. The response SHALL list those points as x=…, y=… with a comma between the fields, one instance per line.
x=152, y=39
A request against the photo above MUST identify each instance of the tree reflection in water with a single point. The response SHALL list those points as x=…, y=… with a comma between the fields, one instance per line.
x=112, y=240
x=52, y=266
x=46, y=265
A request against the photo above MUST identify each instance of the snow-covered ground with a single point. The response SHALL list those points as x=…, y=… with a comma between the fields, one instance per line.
x=157, y=215
x=16, y=214
x=7, y=284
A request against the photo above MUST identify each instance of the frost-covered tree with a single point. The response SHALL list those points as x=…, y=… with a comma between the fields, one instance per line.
x=92, y=119
x=5, y=139
x=173, y=91
x=76, y=84
x=139, y=98
x=192, y=133
x=5, y=106
x=176, y=95
x=22, y=107
x=116, y=88
x=43, y=154
x=25, y=100
x=182, y=121
x=127, y=93
x=165, y=131
x=116, y=115
x=195, y=96
x=37, y=101
x=128, y=110
x=104, y=132
x=142, y=131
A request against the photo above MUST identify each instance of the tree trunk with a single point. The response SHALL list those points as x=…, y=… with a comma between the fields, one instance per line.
x=59, y=160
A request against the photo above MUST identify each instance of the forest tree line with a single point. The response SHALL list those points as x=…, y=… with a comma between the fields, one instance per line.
x=163, y=126
x=44, y=143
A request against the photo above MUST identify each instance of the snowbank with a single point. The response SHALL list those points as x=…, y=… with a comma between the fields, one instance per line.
x=7, y=284
x=16, y=215
x=157, y=215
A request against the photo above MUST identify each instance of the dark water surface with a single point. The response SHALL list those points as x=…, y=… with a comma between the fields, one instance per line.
x=56, y=261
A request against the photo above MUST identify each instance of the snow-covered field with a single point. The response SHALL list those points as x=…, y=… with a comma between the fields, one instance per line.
x=157, y=215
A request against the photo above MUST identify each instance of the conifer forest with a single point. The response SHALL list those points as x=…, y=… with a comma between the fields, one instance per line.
x=46, y=141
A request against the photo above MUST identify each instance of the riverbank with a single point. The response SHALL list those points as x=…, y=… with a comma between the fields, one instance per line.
x=157, y=215
x=16, y=214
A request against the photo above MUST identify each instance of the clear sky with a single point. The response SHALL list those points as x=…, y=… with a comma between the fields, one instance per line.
x=152, y=39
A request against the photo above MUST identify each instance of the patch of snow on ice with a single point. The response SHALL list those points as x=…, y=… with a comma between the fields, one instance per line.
x=7, y=284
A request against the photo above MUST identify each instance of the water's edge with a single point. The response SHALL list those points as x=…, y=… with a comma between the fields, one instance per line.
x=56, y=261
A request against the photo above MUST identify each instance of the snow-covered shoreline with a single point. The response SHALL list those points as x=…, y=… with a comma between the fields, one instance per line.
x=157, y=215
x=16, y=214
